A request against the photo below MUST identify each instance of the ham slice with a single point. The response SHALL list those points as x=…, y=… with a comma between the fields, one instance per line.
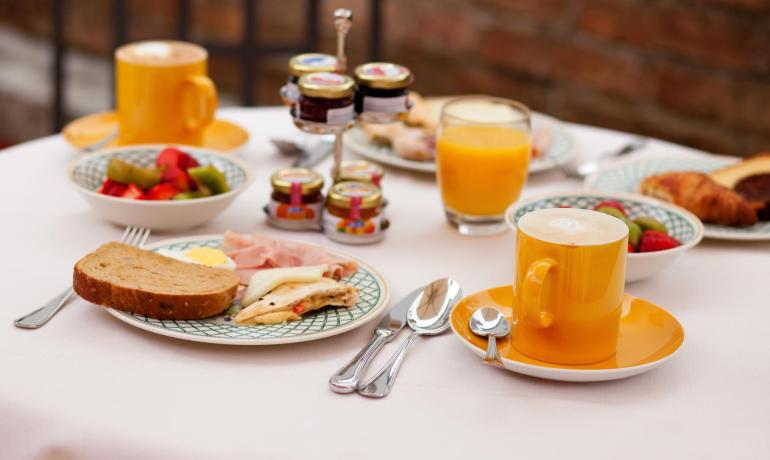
x=256, y=252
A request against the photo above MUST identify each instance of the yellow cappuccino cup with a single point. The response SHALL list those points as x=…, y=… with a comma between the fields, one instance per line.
x=568, y=291
x=163, y=93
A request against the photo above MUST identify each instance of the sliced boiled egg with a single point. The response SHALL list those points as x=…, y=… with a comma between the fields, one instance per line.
x=209, y=257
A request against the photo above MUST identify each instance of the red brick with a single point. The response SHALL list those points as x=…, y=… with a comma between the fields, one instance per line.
x=563, y=60
x=704, y=36
x=698, y=93
x=479, y=80
x=754, y=106
x=544, y=10
x=738, y=5
x=444, y=27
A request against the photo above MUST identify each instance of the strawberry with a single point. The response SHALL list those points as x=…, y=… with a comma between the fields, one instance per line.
x=112, y=188
x=133, y=191
x=631, y=249
x=173, y=157
x=612, y=204
x=564, y=206
x=162, y=191
x=653, y=240
x=178, y=177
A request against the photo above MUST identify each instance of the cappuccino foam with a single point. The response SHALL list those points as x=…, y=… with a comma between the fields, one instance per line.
x=571, y=226
x=161, y=53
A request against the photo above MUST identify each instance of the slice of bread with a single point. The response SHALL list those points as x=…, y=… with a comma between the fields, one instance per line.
x=139, y=281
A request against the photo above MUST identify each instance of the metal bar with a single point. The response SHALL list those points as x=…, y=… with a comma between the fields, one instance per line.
x=375, y=24
x=249, y=59
x=57, y=71
x=311, y=25
x=120, y=20
x=184, y=19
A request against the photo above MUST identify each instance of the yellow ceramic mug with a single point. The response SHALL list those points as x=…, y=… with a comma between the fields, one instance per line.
x=163, y=93
x=568, y=292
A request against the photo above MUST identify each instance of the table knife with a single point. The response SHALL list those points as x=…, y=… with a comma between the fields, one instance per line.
x=346, y=379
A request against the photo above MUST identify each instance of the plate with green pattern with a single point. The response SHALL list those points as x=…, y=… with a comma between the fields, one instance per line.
x=626, y=177
x=560, y=148
x=221, y=329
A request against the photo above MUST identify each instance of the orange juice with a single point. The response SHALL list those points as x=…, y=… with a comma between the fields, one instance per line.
x=481, y=168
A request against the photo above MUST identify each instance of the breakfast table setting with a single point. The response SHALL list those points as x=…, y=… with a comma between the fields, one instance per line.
x=416, y=277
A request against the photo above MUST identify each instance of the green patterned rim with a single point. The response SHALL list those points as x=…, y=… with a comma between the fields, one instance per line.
x=221, y=329
x=89, y=172
x=625, y=177
x=681, y=224
x=560, y=150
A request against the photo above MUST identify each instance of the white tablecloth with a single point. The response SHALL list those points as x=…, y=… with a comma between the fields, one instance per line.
x=88, y=386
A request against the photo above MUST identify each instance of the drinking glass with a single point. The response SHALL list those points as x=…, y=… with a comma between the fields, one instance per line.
x=483, y=150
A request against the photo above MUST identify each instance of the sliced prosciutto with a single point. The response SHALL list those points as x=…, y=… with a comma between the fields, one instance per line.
x=256, y=252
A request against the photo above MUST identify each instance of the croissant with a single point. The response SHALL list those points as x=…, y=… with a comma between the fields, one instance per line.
x=702, y=196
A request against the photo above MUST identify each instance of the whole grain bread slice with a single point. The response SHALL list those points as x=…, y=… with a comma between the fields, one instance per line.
x=140, y=281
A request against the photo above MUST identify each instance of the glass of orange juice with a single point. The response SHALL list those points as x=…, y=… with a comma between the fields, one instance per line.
x=483, y=150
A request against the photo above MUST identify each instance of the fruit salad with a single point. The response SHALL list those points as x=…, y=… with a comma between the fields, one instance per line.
x=175, y=176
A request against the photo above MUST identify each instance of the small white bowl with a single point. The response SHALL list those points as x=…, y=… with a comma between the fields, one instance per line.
x=681, y=224
x=87, y=174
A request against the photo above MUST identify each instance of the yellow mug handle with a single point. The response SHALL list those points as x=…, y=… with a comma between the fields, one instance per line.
x=533, y=310
x=199, y=103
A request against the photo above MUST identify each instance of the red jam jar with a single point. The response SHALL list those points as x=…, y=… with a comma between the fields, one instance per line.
x=382, y=93
x=325, y=102
x=303, y=64
x=296, y=202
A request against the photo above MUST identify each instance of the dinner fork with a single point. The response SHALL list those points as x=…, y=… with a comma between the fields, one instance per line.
x=133, y=236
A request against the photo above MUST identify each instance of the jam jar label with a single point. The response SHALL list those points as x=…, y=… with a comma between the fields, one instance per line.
x=396, y=104
x=302, y=214
x=348, y=229
x=340, y=116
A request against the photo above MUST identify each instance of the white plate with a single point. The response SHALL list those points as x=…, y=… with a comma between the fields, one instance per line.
x=221, y=329
x=560, y=150
x=626, y=176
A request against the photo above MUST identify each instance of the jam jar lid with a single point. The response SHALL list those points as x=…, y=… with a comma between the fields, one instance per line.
x=342, y=194
x=311, y=181
x=326, y=85
x=302, y=64
x=360, y=170
x=383, y=75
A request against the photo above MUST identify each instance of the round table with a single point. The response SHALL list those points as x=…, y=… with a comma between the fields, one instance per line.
x=88, y=386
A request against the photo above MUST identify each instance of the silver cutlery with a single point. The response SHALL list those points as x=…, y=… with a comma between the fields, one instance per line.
x=428, y=315
x=305, y=157
x=133, y=236
x=346, y=379
x=583, y=170
x=103, y=142
x=489, y=322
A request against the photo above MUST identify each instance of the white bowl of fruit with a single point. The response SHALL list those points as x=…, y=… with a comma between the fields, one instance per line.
x=159, y=187
x=658, y=233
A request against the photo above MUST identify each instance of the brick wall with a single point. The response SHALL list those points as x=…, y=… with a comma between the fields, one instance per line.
x=695, y=72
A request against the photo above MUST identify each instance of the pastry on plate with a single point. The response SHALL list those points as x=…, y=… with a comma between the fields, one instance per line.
x=289, y=301
x=143, y=282
x=699, y=194
x=751, y=179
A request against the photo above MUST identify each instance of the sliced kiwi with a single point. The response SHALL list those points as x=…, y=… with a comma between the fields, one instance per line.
x=209, y=177
x=127, y=173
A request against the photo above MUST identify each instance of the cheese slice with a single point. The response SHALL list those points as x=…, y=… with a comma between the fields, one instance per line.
x=268, y=279
x=290, y=300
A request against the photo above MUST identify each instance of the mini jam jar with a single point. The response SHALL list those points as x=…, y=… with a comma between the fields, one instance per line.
x=382, y=95
x=325, y=104
x=353, y=213
x=296, y=202
x=300, y=65
x=359, y=171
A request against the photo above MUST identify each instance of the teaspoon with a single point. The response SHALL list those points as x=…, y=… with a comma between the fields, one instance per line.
x=489, y=322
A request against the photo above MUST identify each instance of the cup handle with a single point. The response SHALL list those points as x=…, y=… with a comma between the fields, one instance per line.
x=533, y=310
x=200, y=102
